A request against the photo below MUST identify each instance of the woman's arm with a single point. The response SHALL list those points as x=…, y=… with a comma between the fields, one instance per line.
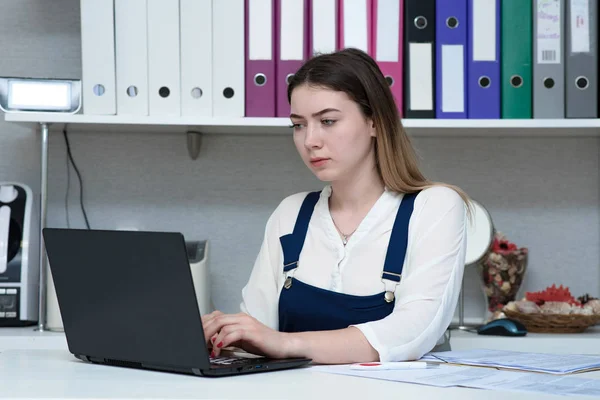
x=241, y=330
x=427, y=296
x=343, y=346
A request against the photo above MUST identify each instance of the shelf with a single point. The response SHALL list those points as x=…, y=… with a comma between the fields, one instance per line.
x=278, y=126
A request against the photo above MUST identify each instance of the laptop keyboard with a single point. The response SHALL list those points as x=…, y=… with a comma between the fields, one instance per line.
x=234, y=360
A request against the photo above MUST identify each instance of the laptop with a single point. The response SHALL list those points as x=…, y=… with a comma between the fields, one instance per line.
x=127, y=299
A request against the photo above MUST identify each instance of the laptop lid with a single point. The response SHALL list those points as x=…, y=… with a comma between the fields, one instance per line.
x=127, y=296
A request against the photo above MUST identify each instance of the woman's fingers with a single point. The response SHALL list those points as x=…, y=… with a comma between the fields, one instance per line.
x=210, y=316
x=215, y=326
x=228, y=335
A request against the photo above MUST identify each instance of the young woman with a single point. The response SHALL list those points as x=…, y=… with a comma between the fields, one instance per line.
x=370, y=267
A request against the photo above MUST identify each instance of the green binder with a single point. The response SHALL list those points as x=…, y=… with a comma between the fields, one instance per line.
x=516, y=58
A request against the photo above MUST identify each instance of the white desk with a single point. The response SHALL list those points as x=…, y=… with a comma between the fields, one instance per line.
x=54, y=374
x=37, y=365
x=30, y=338
x=587, y=342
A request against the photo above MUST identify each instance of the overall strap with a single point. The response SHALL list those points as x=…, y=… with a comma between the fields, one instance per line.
x=394, y=259
x=292, y=243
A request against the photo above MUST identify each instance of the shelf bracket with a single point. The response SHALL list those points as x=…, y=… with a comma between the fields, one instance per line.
x=194, y=141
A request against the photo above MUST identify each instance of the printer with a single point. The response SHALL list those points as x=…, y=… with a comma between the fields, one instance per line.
x=198, y=258
x=19, y=259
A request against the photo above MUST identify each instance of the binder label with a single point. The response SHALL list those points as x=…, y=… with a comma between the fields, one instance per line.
x=324, y=27
x=292, y=35
x=580, y=26
x=260, y=29
x=453, y=83
x=388, y=20
x=421, y=76
x=548, y=33
x=484, y=30
x=355, y=24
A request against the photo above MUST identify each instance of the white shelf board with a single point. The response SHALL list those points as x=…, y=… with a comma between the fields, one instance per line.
x=238, y=125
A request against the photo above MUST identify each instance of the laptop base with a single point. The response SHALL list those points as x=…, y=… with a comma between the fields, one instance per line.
x=251, y=366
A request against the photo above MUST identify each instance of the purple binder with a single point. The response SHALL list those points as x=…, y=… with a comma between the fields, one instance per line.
x=483, y=97
x=260, y=78
x=451, y=30
x=287, y=68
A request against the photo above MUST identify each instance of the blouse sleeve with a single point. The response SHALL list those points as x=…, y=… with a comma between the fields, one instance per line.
x=427, y=295
x=260, y=296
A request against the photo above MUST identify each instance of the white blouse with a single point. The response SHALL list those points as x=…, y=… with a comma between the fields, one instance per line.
x=427, y=295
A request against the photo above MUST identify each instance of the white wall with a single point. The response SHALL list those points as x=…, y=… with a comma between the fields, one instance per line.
x=542, y=192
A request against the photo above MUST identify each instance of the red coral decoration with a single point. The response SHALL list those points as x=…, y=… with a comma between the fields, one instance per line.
x=503, y=246
x=552, y=293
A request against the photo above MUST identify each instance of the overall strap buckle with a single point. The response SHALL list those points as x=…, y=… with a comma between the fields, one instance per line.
x=292, y=243
x=390, y=280
x=289, y=270
x=396, y=254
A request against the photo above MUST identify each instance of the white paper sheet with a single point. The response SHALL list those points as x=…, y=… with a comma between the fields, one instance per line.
x=479, y=378
x=536, y=362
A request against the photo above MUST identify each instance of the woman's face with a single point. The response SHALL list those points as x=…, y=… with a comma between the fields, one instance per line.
x=331, y=134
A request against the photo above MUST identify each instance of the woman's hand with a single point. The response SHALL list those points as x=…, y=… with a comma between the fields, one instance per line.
x=243, y=331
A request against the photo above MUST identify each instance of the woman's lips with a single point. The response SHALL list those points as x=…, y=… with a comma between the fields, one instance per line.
x=318, y=161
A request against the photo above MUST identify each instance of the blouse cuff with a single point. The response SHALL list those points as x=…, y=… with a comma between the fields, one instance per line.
x=371, y=337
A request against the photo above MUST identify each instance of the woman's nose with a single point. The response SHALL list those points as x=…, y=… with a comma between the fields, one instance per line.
x=313, y=137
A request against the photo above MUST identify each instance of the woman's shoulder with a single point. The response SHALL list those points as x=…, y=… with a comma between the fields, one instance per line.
x=287, y=210
x=442, y=192
x=294, y=201
x=440, y=197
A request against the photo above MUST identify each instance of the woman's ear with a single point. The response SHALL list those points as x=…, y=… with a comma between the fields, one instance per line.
x=372, y=130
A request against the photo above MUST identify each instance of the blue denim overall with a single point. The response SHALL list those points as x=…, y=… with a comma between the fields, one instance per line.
x=304, y=307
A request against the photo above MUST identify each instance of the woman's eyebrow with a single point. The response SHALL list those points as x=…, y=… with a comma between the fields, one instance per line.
x=323, y=111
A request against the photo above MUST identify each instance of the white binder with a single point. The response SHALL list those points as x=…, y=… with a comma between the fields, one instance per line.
x=98, y=57
x=131, y=42
x=196, y=57
x=228, y=58
x=164, y=75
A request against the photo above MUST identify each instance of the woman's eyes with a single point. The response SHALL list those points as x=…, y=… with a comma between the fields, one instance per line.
x=326, y=122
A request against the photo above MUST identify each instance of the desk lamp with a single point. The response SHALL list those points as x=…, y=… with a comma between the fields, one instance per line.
x=19, y=95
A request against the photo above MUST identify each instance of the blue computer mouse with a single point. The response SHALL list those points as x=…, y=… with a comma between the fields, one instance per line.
x=503, y=327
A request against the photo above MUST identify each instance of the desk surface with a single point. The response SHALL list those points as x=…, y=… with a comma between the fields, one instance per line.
x=55, y=374
x=587, y=342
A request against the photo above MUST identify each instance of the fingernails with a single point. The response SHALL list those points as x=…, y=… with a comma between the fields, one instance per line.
x=213, y=339
x=212, y=354
x=220, y=344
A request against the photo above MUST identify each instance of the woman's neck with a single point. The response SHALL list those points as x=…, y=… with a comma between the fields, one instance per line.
x=357, y=193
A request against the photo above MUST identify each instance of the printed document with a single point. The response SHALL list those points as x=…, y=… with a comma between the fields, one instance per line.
x=479, y=378
x=534, y=362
